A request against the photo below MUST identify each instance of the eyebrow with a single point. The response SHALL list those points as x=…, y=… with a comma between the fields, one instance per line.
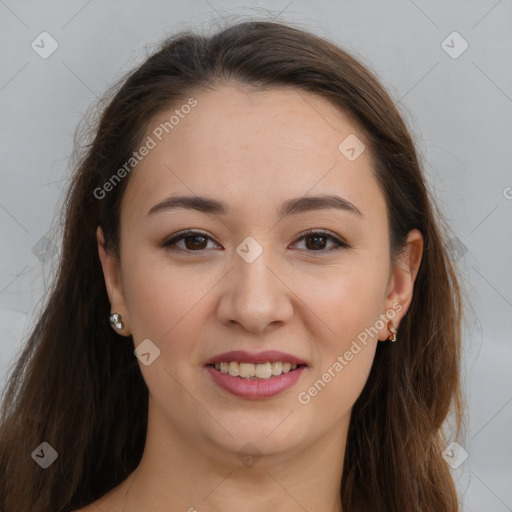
x=290, y=207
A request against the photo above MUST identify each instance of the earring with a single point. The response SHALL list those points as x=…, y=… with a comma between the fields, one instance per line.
x=116, y=321
x=393, y=332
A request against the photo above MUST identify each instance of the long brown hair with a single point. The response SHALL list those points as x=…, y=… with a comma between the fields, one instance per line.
x=79, y=388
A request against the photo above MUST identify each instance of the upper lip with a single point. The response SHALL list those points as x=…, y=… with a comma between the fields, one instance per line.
x=242, y=356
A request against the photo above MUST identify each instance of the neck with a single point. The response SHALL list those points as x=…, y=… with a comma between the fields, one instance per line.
x=179, y=472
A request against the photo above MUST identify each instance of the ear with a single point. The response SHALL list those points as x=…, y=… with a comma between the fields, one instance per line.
x=401, y=282
x=113, y=282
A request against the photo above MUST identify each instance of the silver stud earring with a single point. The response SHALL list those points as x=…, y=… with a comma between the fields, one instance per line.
x=116, y=321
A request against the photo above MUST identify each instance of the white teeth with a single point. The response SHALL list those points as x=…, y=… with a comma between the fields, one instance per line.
x=277, y=368
x=252, y=371
x=234, y=369
x=264, y=371
x=247, y=370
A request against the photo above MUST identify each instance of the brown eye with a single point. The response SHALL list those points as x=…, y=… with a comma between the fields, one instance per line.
x=193, y=241
x=317, y=241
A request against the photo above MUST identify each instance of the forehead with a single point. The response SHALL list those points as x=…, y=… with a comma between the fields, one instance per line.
x=239, y=142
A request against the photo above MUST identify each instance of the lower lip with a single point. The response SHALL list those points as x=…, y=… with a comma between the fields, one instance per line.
x=256, y=388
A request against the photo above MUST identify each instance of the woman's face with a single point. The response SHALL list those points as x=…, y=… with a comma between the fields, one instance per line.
x=250, y=279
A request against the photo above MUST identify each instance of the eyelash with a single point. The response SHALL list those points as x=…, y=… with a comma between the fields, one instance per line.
x=339, y=243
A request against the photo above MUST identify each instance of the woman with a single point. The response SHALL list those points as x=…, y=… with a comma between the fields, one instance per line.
x=253, y=306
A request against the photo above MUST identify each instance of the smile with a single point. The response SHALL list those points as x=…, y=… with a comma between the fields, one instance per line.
x=255, y=371
x=254, y=381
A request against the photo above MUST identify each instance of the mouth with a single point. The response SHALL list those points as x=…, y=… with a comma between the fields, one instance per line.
x=251, y=371
x=255, y=376
x=259, y=371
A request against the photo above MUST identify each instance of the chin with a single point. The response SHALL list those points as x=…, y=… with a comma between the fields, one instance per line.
x=271, y=436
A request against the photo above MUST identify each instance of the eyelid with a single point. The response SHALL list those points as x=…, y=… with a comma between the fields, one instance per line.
x=175, y=237
x=338, y=239
x=340, y=243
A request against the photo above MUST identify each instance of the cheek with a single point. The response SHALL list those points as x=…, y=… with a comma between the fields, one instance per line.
x=160, y=300
x=346, y=299
x=349, y=306
x=169, y=304
x=345, y=342
x=333, y=390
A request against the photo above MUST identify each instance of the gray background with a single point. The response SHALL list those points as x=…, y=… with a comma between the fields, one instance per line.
x=459, y=110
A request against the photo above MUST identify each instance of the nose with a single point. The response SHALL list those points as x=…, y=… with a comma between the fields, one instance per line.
x=256, y=295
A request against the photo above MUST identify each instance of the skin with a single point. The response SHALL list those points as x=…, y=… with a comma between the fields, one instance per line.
x=252, y=150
